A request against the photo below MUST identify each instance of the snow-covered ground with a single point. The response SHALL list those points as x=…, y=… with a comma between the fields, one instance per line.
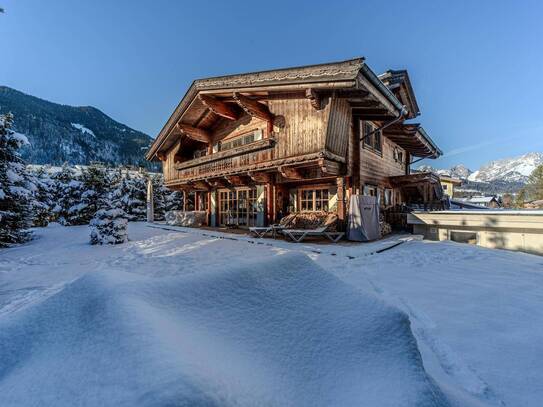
x=189, y=317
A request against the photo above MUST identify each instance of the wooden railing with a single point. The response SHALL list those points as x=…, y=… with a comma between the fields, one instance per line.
x=231, y=161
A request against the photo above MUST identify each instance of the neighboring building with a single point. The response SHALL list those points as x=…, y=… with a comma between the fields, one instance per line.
x=486, y=201
x=250, y=148
x=520, y=230
x=448, y=184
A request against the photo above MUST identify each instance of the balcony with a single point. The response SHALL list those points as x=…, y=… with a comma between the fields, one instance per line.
x=232, y=161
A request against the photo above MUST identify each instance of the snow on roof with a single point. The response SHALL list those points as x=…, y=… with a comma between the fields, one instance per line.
x=484, y=199
x=487, y=211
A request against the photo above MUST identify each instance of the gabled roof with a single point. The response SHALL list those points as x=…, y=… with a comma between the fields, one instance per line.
x=398, y=82
x=336, y=75
x=450, y=179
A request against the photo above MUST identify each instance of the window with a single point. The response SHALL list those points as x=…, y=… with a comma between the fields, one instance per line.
x=445, y=187
x=388, y=196
x=314, y=199
x=239, y=141
x=368, y=139
x=398, y=155
x=238, y=207
x=377, y=141
x=370, y=190
x=372, y=140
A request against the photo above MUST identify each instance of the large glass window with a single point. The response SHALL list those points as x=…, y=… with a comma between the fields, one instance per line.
x=238, y=207
x=314, y=199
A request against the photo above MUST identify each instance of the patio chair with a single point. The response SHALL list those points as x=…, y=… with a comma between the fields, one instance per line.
x=262, y=231
x=298, y=235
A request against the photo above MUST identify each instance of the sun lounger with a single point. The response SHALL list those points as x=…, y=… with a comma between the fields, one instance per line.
x=262, y=231
x=297, y=235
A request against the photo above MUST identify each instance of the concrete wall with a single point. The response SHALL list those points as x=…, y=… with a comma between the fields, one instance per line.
x=500, y=229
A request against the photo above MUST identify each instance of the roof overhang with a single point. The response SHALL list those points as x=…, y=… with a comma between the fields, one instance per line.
x=352, y=77
x=414, y=139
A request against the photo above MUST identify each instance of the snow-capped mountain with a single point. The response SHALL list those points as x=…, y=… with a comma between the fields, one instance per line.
x=76, y=135
x=516, y=169
x=507, y=175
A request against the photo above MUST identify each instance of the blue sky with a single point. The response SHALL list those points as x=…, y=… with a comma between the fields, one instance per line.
x=475, y=65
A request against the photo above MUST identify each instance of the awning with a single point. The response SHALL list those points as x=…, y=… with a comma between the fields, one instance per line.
x=413, y=139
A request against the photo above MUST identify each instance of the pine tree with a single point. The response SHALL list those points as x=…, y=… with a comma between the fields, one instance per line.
x=520, y=198
x=109, y=225
x=159, y=196
x=95, y=185
x=16, y=188
x=70, y=202
x=63, y=200
x=173, y=200
x=43, y=205
x=131, y=194
x=534, y=186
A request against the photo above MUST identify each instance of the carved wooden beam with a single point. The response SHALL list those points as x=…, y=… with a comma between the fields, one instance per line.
x=235, y=180
x=314, y=98
x=161, y=156
x=253, y=108
x=290, y=173
x=194, y=133
x=218, y=107
x=201, y=185
x=217, y=183
x=260, y=177
x=329, y=167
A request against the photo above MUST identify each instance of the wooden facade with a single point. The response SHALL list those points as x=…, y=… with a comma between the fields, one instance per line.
x=257, y=146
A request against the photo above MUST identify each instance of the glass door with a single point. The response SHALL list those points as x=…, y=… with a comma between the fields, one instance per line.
x=237, y=207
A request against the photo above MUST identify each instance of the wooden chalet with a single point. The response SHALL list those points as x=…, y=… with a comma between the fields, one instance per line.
x=251, y=148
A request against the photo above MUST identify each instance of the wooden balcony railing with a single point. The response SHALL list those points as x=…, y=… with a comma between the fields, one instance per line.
x=225, y=162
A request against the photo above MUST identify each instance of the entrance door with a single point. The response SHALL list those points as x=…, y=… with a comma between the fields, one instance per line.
x=237, y=207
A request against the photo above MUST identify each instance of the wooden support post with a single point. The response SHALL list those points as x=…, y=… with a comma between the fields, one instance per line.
x=340, y=200
x=184, y=201
x=208, y=197
x=269, y=204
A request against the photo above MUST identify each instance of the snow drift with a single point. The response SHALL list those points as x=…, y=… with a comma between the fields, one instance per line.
x=281, y=332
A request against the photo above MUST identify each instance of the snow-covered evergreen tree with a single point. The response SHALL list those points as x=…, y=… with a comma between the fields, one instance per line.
x=63, y=201
x=109, y=225
x=16, y=188
x=43, y=198
x=131, y=194
x=159, y=196
x=95, y=186
x=173, y=200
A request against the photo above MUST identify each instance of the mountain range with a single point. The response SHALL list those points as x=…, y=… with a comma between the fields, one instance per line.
x=498, y=176
x=71, y=134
